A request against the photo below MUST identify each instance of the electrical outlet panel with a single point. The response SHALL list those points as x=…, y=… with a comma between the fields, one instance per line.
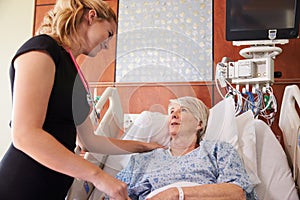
x=129, y=120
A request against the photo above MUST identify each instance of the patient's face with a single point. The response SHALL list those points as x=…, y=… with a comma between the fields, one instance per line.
x=182, y=123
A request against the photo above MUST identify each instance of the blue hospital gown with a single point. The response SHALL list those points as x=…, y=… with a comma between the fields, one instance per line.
x=212, y=162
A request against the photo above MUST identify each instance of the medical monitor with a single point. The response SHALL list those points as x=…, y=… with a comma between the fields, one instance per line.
x=262, y=19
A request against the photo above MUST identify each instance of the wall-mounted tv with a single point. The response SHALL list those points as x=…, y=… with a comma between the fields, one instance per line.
x=262, y=19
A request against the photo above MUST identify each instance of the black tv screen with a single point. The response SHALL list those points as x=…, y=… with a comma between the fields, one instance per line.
x=262, y=19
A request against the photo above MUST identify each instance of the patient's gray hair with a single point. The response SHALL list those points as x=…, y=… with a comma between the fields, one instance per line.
x=198, y=109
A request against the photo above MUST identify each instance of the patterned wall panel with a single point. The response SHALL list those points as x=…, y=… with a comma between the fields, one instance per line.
x=164, y=41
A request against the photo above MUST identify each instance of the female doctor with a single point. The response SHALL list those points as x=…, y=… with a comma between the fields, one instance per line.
x=50, y=106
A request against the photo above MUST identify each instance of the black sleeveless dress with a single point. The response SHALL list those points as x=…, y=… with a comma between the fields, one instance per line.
x=21, y=177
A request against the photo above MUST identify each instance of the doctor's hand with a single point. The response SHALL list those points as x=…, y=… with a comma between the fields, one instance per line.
x=114, y=188
x=151, y=146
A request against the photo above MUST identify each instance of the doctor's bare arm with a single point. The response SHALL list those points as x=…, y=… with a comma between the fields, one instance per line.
x=105, y=145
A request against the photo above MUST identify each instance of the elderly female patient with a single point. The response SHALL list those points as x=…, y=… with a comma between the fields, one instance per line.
x=199, y=168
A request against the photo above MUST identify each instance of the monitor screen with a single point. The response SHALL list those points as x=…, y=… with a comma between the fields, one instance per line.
x=262, y=19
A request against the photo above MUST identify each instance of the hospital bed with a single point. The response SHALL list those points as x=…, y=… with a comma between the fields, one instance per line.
x=263, y=156
x=289, y=123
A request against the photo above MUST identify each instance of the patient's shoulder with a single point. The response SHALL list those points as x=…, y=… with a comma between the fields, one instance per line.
x=216, y=145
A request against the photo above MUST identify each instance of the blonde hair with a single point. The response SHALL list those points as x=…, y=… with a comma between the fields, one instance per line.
x=62, y=21
x=198, y=109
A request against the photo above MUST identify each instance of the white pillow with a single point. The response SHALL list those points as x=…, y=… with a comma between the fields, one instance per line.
x=247, y=144
x=221, y=124
x=238, y=131
x=150, y=127
x=273, y=169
